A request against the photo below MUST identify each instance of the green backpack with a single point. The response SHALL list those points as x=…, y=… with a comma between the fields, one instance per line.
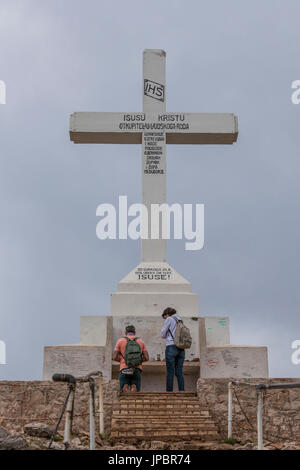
x=133, y=355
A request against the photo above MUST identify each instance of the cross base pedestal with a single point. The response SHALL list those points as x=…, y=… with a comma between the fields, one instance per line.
x=151, y=287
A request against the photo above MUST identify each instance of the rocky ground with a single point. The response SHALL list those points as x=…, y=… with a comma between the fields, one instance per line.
x=36, y=436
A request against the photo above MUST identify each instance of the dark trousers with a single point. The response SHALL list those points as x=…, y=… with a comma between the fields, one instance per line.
x=134, y=379
x=174, y=362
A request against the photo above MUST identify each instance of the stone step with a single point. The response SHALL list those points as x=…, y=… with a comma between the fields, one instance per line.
x=159, y=406
x=161, y=402
x=167, y=406
x=161, y=423
x=133, y=396
x=146, y=401
x=168, y=435
x=163, y=413
x=138, y=396
x=201, y=432
x=171, y=410
x=160, y=419
x=164, y=398
x=159, y=394
x=154, y=425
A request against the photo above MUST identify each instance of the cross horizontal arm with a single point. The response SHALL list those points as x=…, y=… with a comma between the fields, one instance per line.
x=127, y=128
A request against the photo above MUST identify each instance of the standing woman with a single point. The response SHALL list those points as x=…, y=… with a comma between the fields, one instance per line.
x=174, y=355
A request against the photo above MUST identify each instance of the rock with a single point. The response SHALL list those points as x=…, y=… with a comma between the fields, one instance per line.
x=290, y=447
x=119, y=447
x=3, y=433
x=57, y=446
x=145, y=445
x=248, y=446
x=76, y=442
x=37, y=444
x=193, y=445
x=159, y=445
x=38, y=430
x=277, y=446
x=13, y=443
x=175, y=446
x=102, y=442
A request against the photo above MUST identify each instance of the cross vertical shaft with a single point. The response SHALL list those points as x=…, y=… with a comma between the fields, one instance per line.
x=154, y=148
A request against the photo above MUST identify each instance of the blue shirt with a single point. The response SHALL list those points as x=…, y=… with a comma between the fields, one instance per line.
x=169, y=325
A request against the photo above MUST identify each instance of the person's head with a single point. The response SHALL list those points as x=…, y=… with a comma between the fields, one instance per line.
x=168, y=312
x=164, y=315
x=130, y=330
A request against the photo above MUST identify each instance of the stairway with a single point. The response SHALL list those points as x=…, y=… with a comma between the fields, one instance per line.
x=162, y=416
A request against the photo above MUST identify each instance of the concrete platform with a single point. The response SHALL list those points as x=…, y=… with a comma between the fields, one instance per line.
x=77, y=360
x=95, y=354
x=227, y=360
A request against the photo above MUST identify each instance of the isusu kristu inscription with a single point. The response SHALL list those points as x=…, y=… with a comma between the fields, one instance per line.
x=163, y=122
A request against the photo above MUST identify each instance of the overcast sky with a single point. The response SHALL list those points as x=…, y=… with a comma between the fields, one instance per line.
x=57, y=57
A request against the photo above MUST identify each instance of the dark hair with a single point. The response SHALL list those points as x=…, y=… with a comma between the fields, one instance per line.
x=169, y=311
x=130, y=329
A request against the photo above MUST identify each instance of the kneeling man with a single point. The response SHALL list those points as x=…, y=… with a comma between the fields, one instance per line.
x=130, y=351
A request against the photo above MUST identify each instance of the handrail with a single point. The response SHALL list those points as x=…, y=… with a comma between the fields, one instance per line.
x=281, y=385
x=259, y=399
x=237, y=382
x=69, y=405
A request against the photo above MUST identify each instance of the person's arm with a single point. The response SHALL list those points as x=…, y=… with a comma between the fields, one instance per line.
x=116, y=356
x=145, y=356
x=165, y=328
x=117, y=353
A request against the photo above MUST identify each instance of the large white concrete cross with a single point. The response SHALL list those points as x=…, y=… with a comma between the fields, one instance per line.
x=153, y=128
